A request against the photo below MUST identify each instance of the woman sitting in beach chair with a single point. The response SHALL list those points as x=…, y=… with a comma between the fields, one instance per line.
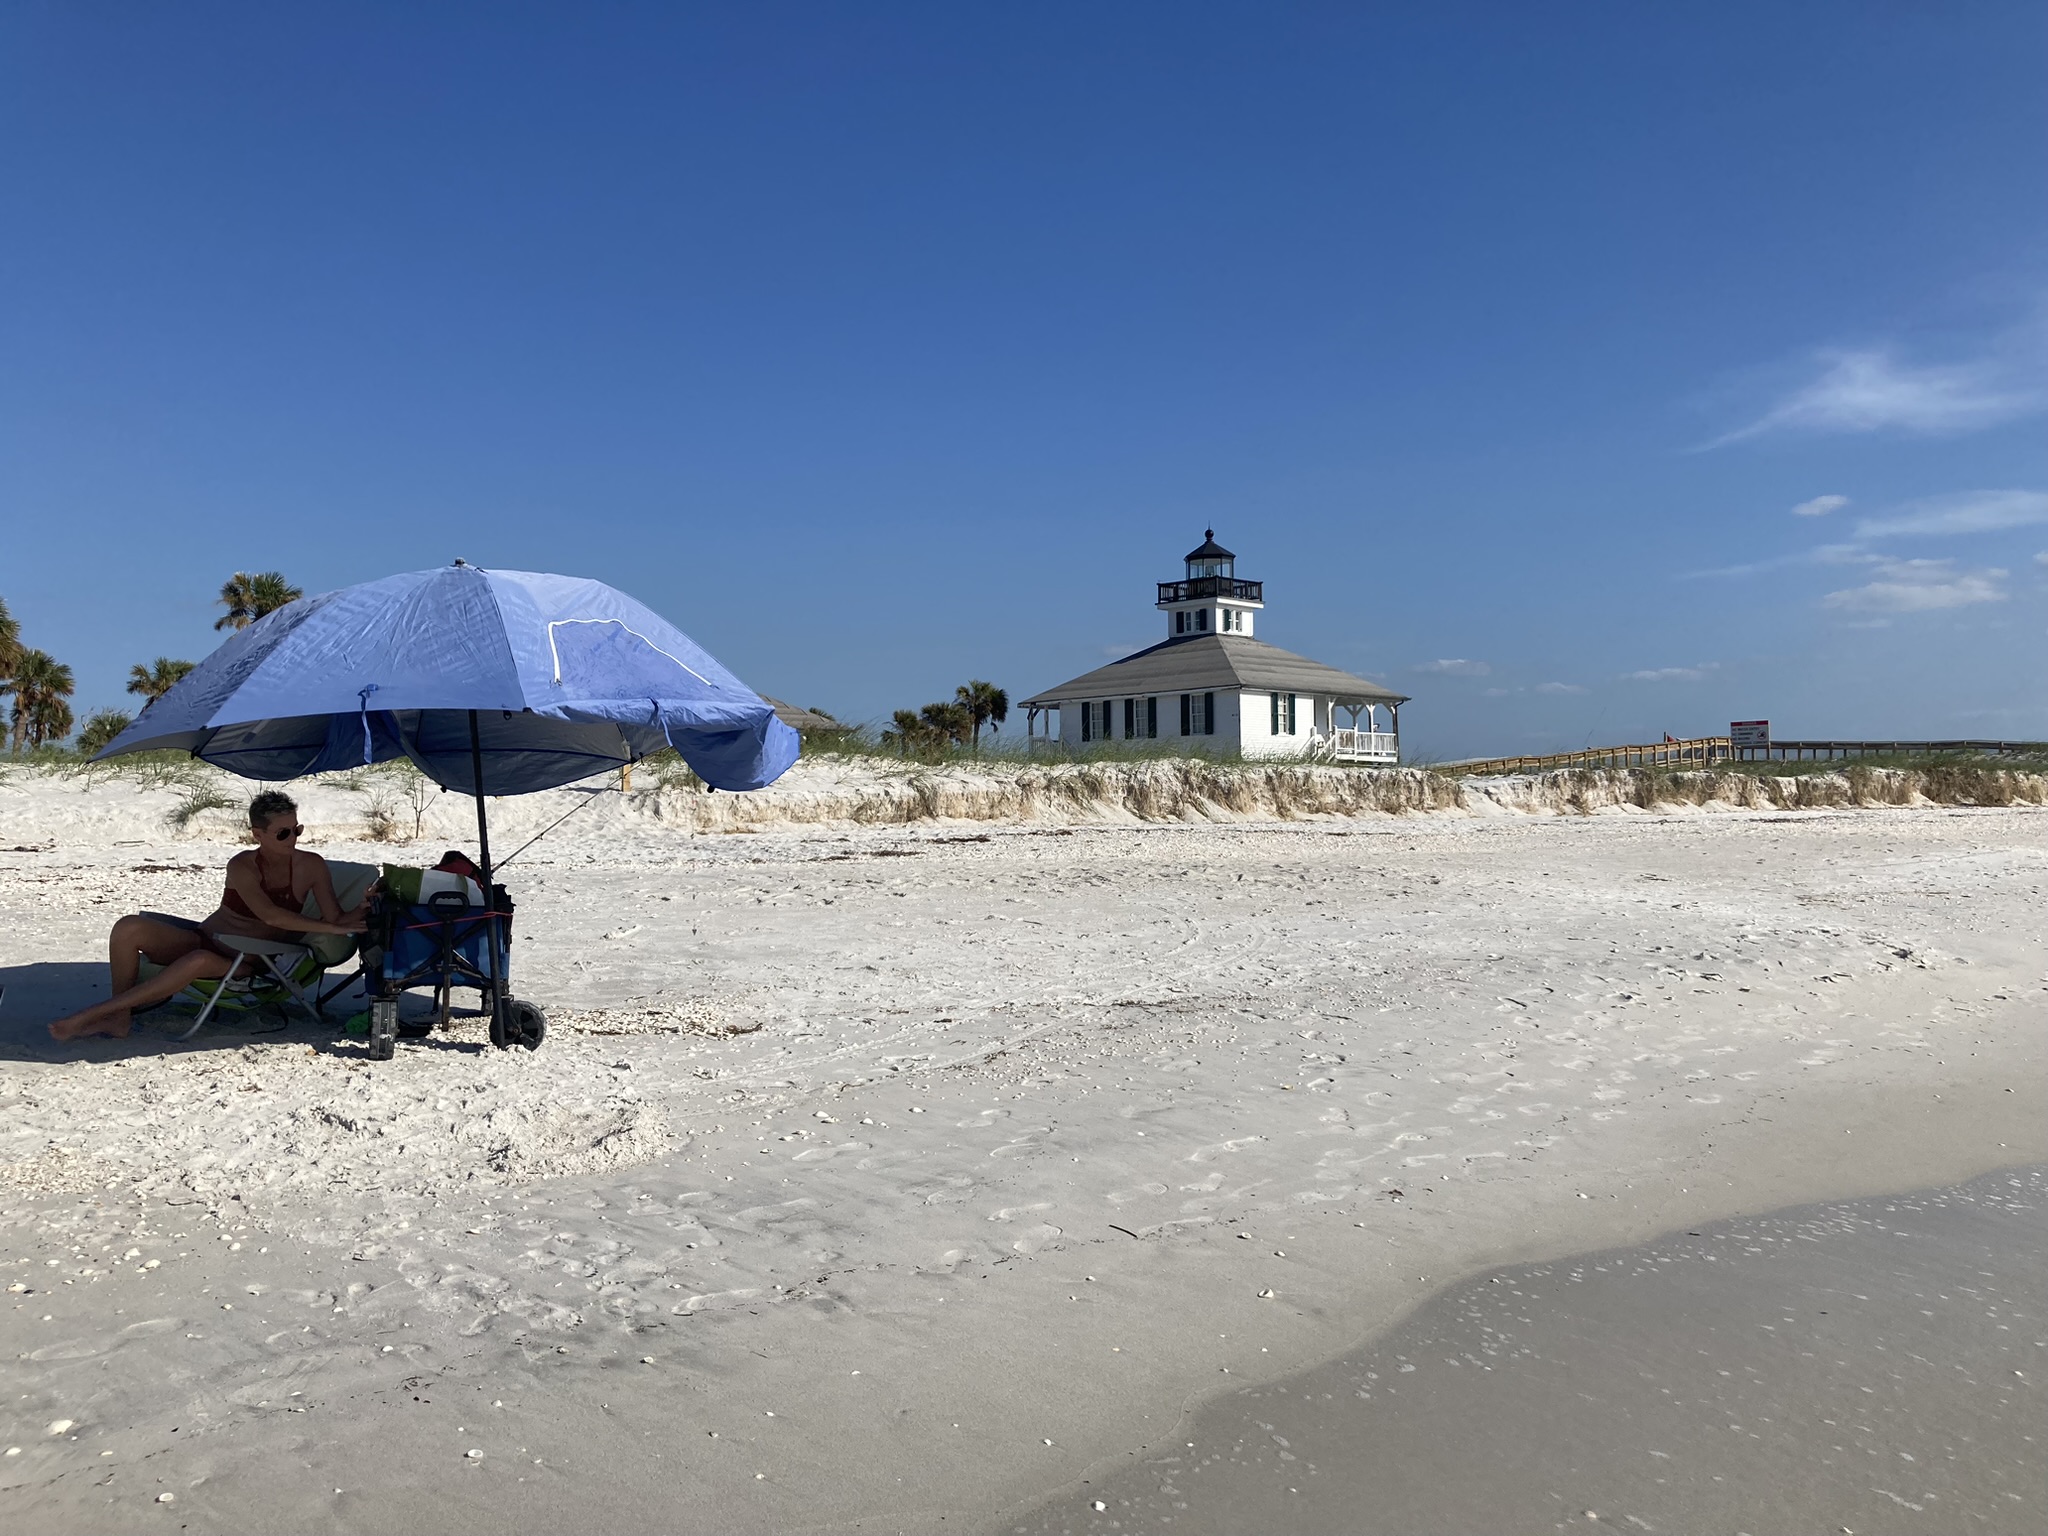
x=267, y=890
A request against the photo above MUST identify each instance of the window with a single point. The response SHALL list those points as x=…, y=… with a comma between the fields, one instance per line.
x=1198, y=714
x=1283, y=714
x=1233, y=620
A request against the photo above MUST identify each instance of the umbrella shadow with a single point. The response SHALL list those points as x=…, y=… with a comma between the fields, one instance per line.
x=32, y=995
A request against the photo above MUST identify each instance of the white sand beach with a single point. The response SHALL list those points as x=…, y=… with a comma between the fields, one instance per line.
x=887, y=1169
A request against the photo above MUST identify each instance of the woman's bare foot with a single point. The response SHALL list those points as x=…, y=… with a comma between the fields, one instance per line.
x=80, y=1025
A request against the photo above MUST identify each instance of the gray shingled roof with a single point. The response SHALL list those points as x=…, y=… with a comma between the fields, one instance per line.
x=1189, y=663
x=800, y=719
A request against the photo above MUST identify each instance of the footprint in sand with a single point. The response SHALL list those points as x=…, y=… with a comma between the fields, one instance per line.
x=1012, y=1212
x=1125, y=1196
x=1218, y=1149
x=714, y=1300
x=784, y=1210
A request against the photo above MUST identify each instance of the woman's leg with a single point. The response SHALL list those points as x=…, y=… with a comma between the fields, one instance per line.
x=183, y=953
x=137, y=937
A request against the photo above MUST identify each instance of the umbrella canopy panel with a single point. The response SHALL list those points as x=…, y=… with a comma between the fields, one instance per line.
x=566, y=677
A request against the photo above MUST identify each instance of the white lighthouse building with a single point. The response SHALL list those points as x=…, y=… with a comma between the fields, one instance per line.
x=1212, y=681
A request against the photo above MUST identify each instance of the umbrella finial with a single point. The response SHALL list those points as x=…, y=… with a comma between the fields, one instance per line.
x=460, y=561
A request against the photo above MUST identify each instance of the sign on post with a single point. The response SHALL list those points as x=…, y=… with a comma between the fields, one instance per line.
x=1749, y=733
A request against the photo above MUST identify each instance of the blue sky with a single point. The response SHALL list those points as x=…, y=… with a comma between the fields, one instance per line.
x=1586, y=371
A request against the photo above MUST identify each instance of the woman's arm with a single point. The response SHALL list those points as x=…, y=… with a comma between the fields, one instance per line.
x=244, y=880
x=323, y=888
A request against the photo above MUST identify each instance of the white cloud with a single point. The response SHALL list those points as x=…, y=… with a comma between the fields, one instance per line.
x=1457, y=667
x=1824, y=554
x=1872, y=391
x=1964, y=512
x=2041, y=558
x=1671, y=674
x=1820, y=506
x=1559, y=688
x=1920, y=586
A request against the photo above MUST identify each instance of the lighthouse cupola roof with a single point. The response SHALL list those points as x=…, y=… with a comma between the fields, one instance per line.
x=1210, y=558
x=1211, y=582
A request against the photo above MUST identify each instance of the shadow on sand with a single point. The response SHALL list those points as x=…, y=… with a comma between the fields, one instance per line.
x=32, y=995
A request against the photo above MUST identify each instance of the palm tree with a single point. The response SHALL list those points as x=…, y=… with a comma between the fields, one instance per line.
x=10, y=648
x=10, y=644
x=985, y=703
x=948, y=722
x=101, y=727
x=157, y=679
x=908, y=735
x=42, y=690
x=248, y=598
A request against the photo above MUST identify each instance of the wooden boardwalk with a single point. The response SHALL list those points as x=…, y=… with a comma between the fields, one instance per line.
x=1704, y=751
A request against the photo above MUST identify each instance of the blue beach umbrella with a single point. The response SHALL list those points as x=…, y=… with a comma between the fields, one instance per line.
x=493, y=682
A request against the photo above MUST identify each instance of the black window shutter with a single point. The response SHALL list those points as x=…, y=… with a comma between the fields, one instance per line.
x=1184, y=716
x=1151, y=717
x=1208, y=714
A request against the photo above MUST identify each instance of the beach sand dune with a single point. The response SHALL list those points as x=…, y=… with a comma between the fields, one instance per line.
x=897, y=1178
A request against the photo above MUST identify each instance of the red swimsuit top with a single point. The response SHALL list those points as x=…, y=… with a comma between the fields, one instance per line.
x=233, y=902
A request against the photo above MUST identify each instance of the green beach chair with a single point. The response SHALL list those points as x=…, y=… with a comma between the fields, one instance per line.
x=266, y=971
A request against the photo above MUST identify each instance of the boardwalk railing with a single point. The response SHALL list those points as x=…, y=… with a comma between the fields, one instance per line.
x=1698, y=752
x=1824, y=751
x=1702, y=751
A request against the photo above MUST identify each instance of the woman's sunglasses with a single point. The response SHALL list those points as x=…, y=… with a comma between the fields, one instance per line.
x=286, y=834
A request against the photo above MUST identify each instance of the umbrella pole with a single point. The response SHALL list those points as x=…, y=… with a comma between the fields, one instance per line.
x=483, y=848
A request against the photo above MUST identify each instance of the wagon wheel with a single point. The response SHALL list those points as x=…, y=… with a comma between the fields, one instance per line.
x=524, y=1024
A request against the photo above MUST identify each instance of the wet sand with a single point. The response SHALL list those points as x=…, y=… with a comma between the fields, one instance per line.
x=1870, y=1366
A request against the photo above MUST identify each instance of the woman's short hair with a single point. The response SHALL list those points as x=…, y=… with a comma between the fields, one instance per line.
x=270, y=803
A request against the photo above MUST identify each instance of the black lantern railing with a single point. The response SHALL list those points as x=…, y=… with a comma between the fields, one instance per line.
x=1211, y=586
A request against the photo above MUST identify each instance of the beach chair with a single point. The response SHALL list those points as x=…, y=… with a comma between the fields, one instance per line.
x=266, y=971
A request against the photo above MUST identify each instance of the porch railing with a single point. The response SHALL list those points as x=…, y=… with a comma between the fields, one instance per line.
x=1350, y=746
